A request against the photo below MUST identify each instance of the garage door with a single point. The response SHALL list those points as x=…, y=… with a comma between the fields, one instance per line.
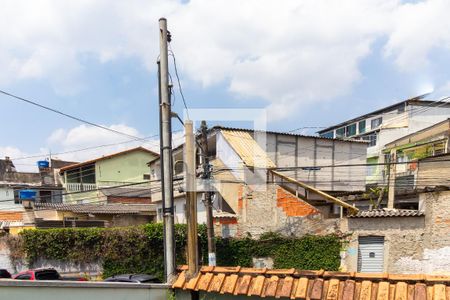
x=370, y=254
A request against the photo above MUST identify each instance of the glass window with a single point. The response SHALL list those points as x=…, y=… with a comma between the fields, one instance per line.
x=350, y=130
x=376, y=122
x=24, y=277
x=362, y=126
x=340, y=132
x=328, y=134
x=371, y=138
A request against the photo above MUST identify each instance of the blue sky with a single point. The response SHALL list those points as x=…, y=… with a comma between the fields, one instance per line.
x=309, y=63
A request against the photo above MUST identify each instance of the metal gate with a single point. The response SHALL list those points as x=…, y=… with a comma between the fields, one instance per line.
x=370, y=254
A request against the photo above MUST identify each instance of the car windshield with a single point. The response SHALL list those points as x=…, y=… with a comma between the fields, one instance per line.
x=47, y=275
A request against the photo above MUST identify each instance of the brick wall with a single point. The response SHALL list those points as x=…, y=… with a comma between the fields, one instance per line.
x=274, y=209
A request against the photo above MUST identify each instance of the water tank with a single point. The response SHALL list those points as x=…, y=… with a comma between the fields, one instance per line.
x=42, y=164
x=27, y=194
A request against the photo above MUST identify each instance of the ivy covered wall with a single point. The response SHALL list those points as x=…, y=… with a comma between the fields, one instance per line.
x=140, y=249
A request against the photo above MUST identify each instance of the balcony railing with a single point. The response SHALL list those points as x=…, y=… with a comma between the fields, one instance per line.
x=80, y=187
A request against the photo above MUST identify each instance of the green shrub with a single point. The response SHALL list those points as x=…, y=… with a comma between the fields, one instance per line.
x=140, y=249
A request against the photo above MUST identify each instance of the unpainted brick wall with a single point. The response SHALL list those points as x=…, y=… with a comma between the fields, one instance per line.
x=268, y=210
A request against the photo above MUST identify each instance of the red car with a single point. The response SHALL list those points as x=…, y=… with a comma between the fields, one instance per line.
x=44, y=274
x=38, y=274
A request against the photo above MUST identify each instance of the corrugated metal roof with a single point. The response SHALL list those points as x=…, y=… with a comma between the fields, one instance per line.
x=248, y=149
x=98, y=208
x=217, y=127
x=383, y=213
x=299, y=284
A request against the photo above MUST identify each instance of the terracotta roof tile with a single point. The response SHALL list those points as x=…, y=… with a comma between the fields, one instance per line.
x=289, y=283
x=383, y=213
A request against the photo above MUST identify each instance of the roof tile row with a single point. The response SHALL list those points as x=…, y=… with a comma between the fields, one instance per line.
x=378, y=213
x=294, y=284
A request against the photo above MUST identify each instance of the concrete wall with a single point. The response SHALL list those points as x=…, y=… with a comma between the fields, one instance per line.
x=7, y=194
x=298, y=151
x=180, y=210
x=412, y=244
x=45, y=290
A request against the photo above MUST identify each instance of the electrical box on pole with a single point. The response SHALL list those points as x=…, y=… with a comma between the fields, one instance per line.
x=208, y=197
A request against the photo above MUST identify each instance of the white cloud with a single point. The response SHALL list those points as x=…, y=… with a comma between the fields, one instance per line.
x=287, y=54
x=418, y=29
x=83, y=143
x=95, y=142
x=22, y=160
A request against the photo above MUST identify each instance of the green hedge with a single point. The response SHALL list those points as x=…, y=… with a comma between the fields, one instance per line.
x=140, y=249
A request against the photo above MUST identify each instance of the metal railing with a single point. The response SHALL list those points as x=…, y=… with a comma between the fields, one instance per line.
x=80, y=187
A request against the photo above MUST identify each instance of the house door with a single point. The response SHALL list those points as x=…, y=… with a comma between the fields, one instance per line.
x=370, y=254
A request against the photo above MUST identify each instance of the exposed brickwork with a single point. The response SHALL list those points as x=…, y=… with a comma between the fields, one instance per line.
x=11, y=216
x=293, y=206
x=261, y=213
x=225, y=221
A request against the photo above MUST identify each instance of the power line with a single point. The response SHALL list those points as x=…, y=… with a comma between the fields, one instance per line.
x=94, y=147
x=67, y=115
x=178, y=79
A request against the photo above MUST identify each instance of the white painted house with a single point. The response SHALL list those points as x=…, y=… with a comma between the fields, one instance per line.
x=385, y=125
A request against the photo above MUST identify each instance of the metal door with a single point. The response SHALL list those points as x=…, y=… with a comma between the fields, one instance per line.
x=370, y=254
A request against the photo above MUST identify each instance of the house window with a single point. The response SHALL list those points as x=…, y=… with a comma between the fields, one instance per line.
x=85, y=174
x=17, y=199
x=362, y=126
x=401, y=109
x=371, y=138
x=350, y=130
x=375, y=123
x=340, y=132
x=328, y=135
x=45, y=197
x=146, y=176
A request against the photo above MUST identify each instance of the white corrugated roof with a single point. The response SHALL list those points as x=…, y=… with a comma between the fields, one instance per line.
x=248, y=149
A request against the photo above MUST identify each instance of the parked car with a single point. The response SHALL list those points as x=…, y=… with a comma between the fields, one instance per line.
x=5, y=274
x=38, y=274
x=133, y=278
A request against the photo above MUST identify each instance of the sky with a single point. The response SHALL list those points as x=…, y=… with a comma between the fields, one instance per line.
x=309, y=63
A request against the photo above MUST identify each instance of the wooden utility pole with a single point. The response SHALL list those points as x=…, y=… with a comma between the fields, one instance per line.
x=208, y=198
x=391, y=181
x=166, y=156
x=191, y=200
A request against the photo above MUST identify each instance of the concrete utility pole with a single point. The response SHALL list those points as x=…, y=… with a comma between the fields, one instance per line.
x=208, y=200
x=166, y=155
x=191, y=199
x=391, y=181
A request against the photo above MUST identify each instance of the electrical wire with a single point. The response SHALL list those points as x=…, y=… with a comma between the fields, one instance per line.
x=68, y=116
x=171, y=53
